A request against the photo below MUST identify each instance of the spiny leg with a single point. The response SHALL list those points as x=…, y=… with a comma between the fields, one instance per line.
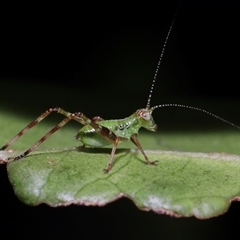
x=136, y=142
x=49, y=133
x=79, y=117
x=29, y=126
x=35, y=122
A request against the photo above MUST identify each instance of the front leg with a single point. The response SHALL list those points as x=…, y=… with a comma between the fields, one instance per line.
x=136, y=142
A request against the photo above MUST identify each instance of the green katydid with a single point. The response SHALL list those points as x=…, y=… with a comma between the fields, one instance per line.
x=98, y=132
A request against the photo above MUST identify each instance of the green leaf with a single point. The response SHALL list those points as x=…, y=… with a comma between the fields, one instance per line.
x=181, y=184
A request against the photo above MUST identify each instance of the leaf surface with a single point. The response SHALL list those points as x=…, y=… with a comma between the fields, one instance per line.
x=181, y=184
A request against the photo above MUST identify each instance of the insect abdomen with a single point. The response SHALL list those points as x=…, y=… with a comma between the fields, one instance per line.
x=88, y=136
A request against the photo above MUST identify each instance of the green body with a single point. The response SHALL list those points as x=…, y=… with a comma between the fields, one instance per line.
x=123, y=128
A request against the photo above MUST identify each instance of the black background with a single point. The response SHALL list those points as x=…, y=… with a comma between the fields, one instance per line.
x=52, y=52
x=76, y=44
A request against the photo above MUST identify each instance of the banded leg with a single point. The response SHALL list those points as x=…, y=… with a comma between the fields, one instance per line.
x=33, y=123
x=136, y=142
x=79, y=117
x=29, y=126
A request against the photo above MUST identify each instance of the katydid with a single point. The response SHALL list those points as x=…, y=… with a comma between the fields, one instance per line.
x=98, y=132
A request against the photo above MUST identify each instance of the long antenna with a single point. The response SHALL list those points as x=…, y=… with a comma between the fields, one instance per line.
x=197, y=109
x=161, y=56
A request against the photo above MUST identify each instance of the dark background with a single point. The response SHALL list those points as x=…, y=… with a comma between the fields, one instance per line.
x=97, y=57
x=99, y=46
x=100, y=58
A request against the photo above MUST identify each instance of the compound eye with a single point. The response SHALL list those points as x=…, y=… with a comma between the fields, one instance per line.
x=146, y=116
